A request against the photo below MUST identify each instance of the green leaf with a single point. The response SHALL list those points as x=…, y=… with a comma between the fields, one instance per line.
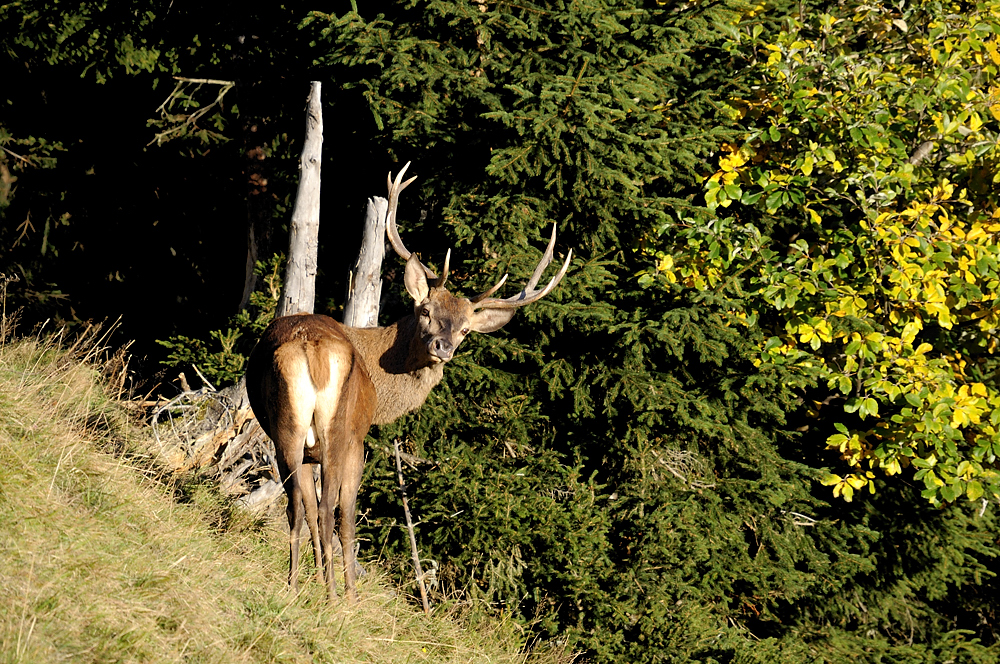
x=830, y=479
x=871, y=406
x=774, y=200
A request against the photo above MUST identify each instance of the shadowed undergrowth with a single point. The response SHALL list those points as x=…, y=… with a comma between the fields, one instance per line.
x=101, y=560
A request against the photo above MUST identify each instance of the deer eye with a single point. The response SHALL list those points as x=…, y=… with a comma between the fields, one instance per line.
x=425, y=313
x=465, y=331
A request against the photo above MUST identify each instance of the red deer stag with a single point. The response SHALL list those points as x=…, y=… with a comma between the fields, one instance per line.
x=316, y=386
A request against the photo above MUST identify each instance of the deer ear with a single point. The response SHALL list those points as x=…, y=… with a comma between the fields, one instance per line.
x=490, y=320
x=415, y=279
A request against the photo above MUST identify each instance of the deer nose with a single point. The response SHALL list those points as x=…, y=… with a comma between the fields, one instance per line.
x=443, y=348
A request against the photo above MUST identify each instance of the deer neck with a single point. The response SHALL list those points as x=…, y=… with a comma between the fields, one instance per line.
x=394, y=358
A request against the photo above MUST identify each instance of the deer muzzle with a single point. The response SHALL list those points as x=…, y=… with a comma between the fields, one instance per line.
x=441, y=349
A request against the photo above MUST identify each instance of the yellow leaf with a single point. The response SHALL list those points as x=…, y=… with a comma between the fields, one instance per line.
x=731, y=162
x=991, y=48
x=975, y=122
x=910, y=331
x=856, y=481
x=830, y=480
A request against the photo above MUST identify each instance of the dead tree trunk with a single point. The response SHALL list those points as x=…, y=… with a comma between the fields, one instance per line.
x=364, y=282
x=299, y=293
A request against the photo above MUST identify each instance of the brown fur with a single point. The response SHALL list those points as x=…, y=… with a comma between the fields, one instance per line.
x=400, y=383
x=291, y=387
x=319, y=368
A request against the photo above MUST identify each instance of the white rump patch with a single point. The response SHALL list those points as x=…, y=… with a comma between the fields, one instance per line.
x=311, y=437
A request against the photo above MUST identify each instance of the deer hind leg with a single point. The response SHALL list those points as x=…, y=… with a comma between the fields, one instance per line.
x=350, y=482
x=290, y=478
x=347, y=435
x=357, y=419
x=323, y=539
x=331, y=491
x=290, y=421
x=308, y=487
x=339, y=489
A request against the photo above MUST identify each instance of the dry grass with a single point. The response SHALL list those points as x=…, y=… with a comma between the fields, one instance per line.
x=102, y=562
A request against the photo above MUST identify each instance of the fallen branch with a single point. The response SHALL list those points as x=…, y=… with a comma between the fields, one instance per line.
x=262, y=496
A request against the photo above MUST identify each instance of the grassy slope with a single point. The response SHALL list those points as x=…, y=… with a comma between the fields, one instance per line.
x=99, y=562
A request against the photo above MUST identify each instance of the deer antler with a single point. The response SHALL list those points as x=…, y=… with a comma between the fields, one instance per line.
x=529, y=293
x=395, y=187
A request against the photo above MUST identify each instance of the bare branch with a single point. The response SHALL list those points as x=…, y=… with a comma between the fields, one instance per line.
x=183, y=121
x=413, y=537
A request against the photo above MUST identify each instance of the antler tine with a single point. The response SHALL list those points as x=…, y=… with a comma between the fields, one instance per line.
x=544, y=263
x=395, y=188
x=444, y=273
x=529, y=293
x=476, y=298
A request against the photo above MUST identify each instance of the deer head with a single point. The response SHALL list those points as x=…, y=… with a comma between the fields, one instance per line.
x=444, y=319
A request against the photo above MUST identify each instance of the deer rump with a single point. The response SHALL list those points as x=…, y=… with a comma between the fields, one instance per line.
x=311, y=393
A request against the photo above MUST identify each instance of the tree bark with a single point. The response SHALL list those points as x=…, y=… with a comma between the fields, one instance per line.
x=364, y=282
x=299, y=293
